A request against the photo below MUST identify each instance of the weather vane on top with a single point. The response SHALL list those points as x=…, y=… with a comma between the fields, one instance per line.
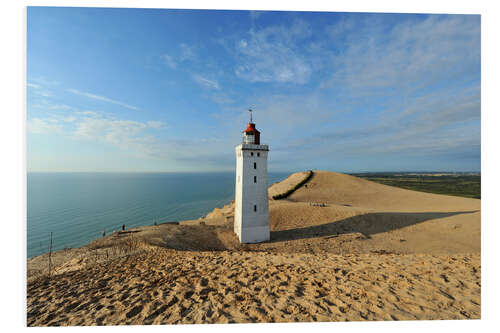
x=250, y=110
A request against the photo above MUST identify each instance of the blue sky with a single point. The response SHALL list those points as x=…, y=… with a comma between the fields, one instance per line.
x=168, y=90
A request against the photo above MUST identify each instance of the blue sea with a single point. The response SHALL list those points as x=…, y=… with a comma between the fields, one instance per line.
x=78, y=207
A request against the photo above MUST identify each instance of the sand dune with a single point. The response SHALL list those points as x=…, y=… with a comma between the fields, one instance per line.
x=368, y=252
x=348, y=190
x=379, y=217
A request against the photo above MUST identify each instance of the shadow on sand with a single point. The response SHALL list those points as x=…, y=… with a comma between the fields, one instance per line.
x=186, y=237
x=366, y=224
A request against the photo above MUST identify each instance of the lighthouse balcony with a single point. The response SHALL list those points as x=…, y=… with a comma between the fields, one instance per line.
x=251, y=146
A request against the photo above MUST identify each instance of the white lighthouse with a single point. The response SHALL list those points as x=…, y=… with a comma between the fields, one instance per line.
x=251, y=218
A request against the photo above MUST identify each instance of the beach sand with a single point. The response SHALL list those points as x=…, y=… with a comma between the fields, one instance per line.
x=342, y=249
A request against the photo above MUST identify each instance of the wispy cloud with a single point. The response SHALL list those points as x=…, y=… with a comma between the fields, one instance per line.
x=155, y=124
x=46, y=105
x=39, y=89
x=222, y=98
x=133, y=137
x=255, y=14
x=102, y=98
x=43, y=126
x=411, y=55
x=342, y=28
x=116, y=131
x=96, y=127
x=187, y=52
x=89, y=113
x=169, y=60
x=272, y=54
x=208, y=83
x=44, y=81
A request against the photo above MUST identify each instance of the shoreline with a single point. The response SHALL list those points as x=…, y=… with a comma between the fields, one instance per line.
x=77, y=209
x=278, y=190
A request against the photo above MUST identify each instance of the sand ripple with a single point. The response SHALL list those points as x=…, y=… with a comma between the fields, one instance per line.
x=166, y=286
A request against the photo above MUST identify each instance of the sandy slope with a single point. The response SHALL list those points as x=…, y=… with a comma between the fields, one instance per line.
x=348, y=190
x=286, y=184
x=371, y=252
x=166, y=286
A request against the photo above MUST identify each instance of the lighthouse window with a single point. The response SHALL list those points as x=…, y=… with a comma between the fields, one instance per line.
x=258, y=154
x=255, y=179
x=254, y=208
x=251, y=153
x=254, y=165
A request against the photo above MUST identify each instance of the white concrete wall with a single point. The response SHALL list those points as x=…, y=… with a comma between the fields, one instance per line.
x=251, y=226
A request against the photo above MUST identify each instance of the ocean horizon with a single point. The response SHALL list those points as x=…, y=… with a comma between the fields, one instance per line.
x=77, y=207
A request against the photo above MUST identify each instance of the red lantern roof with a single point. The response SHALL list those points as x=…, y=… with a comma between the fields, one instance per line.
x=250, y=128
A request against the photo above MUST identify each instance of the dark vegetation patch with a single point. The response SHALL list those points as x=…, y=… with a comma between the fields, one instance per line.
x=457, y=184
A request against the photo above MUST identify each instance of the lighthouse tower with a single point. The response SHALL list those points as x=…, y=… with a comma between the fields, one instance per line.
x=251, y=218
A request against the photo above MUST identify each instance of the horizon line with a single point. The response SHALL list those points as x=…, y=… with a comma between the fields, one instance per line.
x=288, y=171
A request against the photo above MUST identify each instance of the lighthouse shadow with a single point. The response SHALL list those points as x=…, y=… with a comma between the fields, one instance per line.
x=367, y=224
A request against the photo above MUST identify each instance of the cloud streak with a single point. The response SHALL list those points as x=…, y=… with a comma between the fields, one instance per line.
x=169, y=60
x=38, y=89
x=207, y=83
x=102, y=98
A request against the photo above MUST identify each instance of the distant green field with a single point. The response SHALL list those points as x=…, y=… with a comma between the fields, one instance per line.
x=461, y=185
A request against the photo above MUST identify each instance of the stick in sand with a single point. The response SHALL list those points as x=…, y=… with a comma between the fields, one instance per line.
x=50, y=252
